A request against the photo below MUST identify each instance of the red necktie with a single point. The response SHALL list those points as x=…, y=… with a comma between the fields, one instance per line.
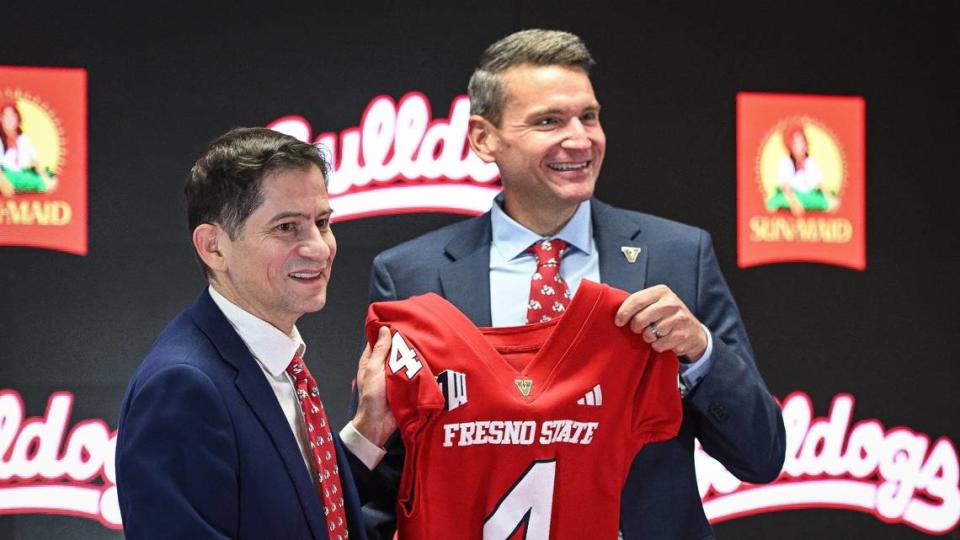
x=321, y=444
x=549, y=294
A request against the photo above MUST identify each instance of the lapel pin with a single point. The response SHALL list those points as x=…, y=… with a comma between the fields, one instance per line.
x=630, y=253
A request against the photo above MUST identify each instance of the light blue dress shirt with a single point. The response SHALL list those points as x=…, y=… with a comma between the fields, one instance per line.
x=511, y=266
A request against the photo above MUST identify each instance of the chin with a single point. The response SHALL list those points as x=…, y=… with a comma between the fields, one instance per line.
x=315, y=304
x=577, y=194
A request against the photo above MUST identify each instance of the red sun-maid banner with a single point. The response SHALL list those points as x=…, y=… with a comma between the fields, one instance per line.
x=800, y=180
x=43, y=158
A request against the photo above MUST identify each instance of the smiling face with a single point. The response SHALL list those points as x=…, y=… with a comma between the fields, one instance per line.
x=549, y=145
x=278, y=266
x=9, y=119
x=798, y=145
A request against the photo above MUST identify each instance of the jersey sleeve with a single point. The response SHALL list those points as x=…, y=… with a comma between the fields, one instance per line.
x=657, y=406
x=412, y=390
x=413, y=394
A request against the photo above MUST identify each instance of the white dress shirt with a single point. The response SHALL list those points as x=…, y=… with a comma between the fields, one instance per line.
x=273, y=351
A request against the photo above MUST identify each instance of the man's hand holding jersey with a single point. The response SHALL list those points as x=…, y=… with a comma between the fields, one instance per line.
x=664, y=321
x=374, y=420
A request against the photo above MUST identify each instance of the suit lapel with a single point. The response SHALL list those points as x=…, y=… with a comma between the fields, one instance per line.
x=613, y=230
x=255, y=389
x=465, y=280
x=258, y=394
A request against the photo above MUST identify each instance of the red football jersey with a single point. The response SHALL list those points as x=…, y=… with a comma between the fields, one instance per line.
x=521, y=432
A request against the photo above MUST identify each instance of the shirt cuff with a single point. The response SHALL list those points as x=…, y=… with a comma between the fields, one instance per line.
x=368, y=453
x=694, y=372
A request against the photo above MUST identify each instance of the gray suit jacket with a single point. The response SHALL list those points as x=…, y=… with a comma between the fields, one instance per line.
x=730, y=412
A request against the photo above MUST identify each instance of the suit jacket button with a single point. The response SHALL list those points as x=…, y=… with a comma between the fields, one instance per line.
x=718, y=412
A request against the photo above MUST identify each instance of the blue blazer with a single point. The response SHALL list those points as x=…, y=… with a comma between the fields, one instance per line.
x=204, y=450
x=731, y=411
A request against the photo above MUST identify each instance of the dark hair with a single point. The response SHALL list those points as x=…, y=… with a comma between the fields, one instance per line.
x=224, y=185
x=16, y=111
x=534, y=47
x=790, y=131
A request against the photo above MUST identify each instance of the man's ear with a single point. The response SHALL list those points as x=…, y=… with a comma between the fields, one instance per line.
x=484, y=138
x=208, y=240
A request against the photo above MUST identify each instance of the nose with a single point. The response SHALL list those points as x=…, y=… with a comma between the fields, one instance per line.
x=317, y=245
x=577, y=137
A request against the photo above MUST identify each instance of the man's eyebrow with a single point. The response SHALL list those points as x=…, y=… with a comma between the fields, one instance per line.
x=299, y=215
x=546, y=110
x=287, y=215
x=558, y=110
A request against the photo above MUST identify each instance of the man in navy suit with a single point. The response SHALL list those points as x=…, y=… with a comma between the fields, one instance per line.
x=534, y=114
x=212, y=441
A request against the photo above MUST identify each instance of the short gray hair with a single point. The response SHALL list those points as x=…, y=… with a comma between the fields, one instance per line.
x=534, y=47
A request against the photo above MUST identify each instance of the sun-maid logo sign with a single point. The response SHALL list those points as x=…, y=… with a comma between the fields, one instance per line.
x=400, y=159
x=800, y=180
x=43, y=158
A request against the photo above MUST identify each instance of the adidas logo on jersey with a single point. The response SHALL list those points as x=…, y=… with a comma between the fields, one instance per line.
x=453, y=386
x=593, y=398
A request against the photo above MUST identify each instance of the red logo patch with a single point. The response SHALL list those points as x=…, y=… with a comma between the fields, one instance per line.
x=43, y=158
x=800, y=180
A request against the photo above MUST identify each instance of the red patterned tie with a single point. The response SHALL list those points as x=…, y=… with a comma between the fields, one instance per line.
x=549, y=294
x=321, y=444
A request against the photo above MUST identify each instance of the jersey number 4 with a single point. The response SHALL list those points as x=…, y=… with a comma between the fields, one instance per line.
x=529, y=502
x=402, y=357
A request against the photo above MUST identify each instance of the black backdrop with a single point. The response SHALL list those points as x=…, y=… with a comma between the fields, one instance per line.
x=164, y=81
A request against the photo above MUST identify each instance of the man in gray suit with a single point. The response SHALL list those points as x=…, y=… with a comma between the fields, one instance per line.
x=534, y=113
